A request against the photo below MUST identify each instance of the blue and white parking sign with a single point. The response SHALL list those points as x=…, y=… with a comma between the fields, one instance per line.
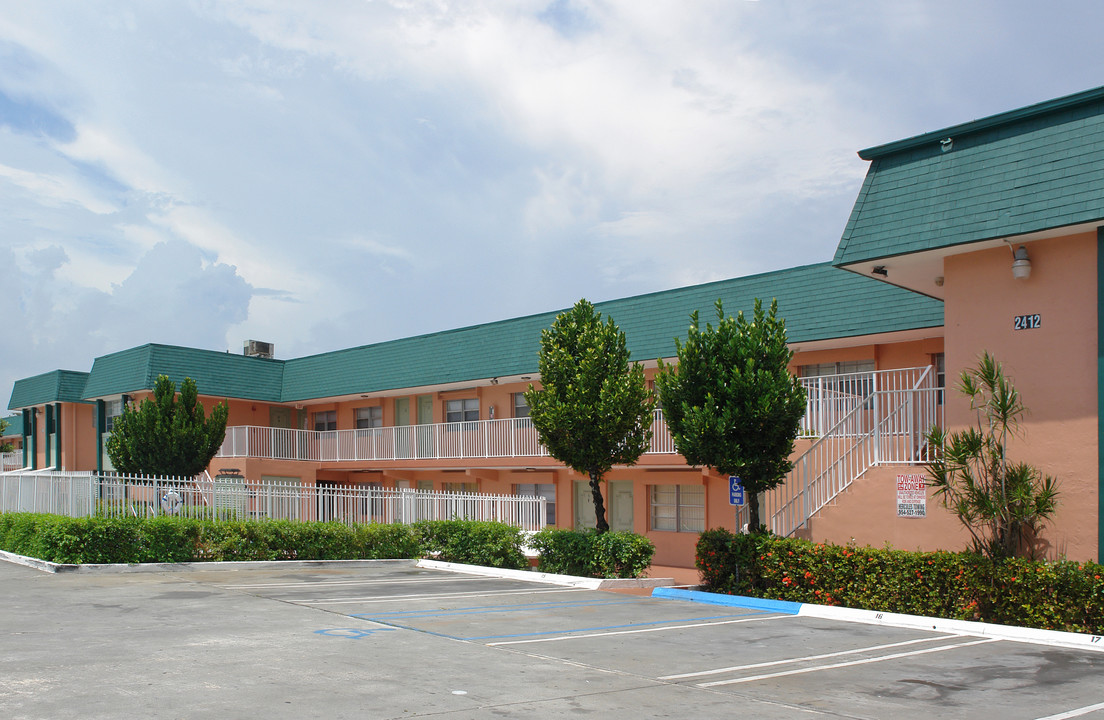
x=735, y=491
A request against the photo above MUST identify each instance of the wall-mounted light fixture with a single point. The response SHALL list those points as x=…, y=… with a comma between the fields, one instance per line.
x=939, y=281
x=880, y=270
x=946, y=144
x=1021, y=263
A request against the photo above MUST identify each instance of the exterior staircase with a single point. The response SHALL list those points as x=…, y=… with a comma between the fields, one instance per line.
x=877, y=418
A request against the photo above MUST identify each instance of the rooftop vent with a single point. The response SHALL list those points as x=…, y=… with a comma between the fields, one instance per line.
x=256, y=348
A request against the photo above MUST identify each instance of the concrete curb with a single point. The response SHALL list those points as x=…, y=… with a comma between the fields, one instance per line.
x=550, y=578
x=52, y=567
x=1056, y=638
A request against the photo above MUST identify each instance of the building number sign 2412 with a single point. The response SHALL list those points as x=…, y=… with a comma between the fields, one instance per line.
x=1027, y=322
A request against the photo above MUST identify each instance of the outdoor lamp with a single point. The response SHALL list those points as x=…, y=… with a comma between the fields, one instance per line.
x=1021, y=264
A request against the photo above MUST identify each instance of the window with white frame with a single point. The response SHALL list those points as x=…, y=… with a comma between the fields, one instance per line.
x=521, y=407
x=326, y=420
x=836, y=368
x=112, y=410
x=677, y=508
x=939, y=360
x=465, y=410
x=369, y=417
x=544, y=490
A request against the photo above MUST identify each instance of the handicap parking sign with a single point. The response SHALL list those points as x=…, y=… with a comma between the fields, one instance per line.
x=735, y=491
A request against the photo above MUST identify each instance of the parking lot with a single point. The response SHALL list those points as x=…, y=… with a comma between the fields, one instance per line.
x=391, y=640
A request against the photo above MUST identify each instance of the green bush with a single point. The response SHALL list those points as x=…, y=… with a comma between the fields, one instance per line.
x=175, y=539
x=966, y=586
x=587, y=553
x=472, y=542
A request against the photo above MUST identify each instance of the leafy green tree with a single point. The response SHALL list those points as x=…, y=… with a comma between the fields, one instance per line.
x=594, y=410
x=731, y=404
x=1004, y=505
x=5, y=447
x=166, y=435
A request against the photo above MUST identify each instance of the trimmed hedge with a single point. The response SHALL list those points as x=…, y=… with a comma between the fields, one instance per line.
x=965, y=586
x=473, y=542
x=175, y=539
x=590, y=554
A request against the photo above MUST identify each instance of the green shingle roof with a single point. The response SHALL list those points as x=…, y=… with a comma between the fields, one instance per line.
x=15, y=426
x=216, y=374
x=1023, y=171
x=819, y=302
x=54, y=386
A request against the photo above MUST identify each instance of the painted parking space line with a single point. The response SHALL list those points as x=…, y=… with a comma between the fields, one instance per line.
x=758, y=617
x=334, y=583
x=1077, y=712
x=807, y=658
x=491, y=609
x=851, y=663
x=433, y=596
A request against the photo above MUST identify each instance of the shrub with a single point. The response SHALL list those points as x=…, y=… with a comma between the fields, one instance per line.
x=176, y=539
x=966, y=586
x=590, y=554
x=491, y=544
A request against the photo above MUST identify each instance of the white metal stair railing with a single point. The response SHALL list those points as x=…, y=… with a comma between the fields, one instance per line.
x=887, y=427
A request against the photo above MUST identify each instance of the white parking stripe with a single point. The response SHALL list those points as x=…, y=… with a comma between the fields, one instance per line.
x=321, y=583
x=1074, y=713
x=634, y=632
x=431, y=596
x=807, y=658
x=864, y=661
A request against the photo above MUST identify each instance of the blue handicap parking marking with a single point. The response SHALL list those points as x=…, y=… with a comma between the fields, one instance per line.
x=351, y=633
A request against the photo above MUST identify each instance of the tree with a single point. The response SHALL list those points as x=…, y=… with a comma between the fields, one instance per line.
x=5, y=447
x=166, y=435
x=594, y=410
x=731, y=404
x=1003, y=505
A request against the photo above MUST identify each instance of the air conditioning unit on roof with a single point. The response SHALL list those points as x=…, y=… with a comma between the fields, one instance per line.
x=256, y=348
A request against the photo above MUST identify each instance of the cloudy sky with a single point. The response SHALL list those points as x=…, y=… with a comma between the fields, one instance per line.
x=323, y=175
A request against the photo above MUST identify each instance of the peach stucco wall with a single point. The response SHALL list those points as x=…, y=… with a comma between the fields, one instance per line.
x=1054, y=366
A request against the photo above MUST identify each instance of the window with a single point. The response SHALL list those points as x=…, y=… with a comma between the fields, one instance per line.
x=836, y=368
x=521, y=408
x=677, y=508
x=369, y=417
x=462, y=410
x=325, y=420
x=544, y=490
x=112, y=410
x=939, y=360
x=460, y=487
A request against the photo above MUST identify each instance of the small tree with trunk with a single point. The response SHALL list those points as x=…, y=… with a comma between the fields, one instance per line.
x=594, y=410
x=167, y=435
x=731, y=403
x=1002, y=504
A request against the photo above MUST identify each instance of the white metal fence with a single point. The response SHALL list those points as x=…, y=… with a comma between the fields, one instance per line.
x=505, y=438
x=11, y=461
x=230, y=497
x=887, y=426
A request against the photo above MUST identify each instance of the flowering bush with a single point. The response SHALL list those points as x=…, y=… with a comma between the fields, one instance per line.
x=1049, y=595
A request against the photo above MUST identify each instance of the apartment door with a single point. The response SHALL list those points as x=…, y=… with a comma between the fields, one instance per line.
x=279, y=417
x=584, y=505
x=424, y=431
x=404, y=445
x=621, y=505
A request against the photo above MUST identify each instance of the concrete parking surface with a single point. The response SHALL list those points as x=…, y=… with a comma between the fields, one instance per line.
x=391, y=640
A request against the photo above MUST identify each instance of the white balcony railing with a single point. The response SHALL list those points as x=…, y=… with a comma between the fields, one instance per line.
x=507, y=438
x=11, y=461
x=830, y=399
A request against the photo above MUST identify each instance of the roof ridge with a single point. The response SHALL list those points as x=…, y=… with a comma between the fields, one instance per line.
x=987, y=122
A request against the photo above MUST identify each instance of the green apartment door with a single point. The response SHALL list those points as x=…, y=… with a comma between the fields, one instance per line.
x=621, y=505
x=424, y=430
x=404, y=445
x=279, y=417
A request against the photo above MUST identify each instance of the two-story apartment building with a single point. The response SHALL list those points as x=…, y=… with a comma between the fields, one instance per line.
x=922, y=282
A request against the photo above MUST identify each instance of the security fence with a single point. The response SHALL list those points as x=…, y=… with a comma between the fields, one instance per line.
x=233, y=497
